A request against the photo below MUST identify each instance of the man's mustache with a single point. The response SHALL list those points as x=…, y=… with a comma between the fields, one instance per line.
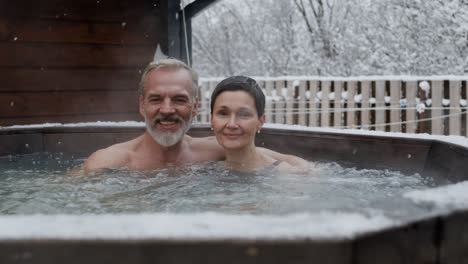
x=160, y=117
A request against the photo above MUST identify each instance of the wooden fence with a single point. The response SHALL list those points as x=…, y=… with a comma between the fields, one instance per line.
x=433, y=105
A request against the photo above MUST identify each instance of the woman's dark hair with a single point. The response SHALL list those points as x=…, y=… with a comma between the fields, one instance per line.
x=241, y=83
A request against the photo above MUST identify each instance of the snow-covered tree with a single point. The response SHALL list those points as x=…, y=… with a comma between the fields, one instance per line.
x=332, y=37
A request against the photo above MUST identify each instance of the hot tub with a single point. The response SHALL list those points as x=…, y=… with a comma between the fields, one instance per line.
x=441, y=238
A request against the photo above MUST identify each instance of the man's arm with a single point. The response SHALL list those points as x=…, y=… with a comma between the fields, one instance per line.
x=291, y=159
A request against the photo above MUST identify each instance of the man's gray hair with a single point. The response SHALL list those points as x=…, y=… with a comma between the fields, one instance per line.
x=164, y=64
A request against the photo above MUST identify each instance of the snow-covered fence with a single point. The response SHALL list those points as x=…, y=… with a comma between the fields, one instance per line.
x=435, y=104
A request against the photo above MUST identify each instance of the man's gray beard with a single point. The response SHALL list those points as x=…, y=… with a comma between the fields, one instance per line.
x=168, y=138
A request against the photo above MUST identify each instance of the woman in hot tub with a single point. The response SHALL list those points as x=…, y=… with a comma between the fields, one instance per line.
x=237, y=114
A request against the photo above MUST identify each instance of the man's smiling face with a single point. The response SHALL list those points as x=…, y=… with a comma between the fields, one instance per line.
x=168, y=104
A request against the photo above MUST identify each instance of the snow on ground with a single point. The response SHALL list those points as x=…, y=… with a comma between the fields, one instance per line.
x=205, y=226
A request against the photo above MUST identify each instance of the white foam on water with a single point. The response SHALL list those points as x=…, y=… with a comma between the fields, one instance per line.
x=208, y=226
x=451, y=196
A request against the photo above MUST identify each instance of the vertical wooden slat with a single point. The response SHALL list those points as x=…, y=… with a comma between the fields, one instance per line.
x=325, y=115
x=278, y=103
x=279, y=113
x=302, y=103
x=437, y=91
x=395, y=116
x=313, y=87
x=455, y=117
x=351, y=112
x=290, y=103
x=422, y=115
x=338, y=112
x=269, y=103
x=380, y=103
x=411, y=91
x=365, y=91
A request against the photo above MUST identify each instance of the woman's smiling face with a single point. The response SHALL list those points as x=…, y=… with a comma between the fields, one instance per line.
x=235, y=120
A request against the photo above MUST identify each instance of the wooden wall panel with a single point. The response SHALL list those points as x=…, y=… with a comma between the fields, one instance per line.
x=41, y=80
x=76, y=55
x=67, y=103
x=76, y=61
x=102, y=10
x=124, y=32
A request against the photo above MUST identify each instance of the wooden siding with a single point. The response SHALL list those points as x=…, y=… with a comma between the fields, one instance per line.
x=65, y=61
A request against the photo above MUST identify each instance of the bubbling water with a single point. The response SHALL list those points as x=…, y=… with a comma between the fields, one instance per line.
x=41, y=184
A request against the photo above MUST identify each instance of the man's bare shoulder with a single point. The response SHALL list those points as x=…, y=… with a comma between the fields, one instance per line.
x=115, y=156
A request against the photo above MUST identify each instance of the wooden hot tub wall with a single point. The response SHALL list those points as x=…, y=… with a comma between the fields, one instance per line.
x=437, y=239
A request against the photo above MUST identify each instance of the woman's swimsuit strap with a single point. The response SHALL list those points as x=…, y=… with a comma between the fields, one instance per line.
x=272, y=166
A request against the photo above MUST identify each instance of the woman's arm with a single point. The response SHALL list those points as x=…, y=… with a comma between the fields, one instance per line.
x=291, y=159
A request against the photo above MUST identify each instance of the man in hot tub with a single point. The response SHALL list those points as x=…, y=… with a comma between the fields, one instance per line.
x=168, y=103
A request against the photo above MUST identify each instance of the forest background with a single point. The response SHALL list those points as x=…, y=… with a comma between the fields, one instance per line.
x=331, y=38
